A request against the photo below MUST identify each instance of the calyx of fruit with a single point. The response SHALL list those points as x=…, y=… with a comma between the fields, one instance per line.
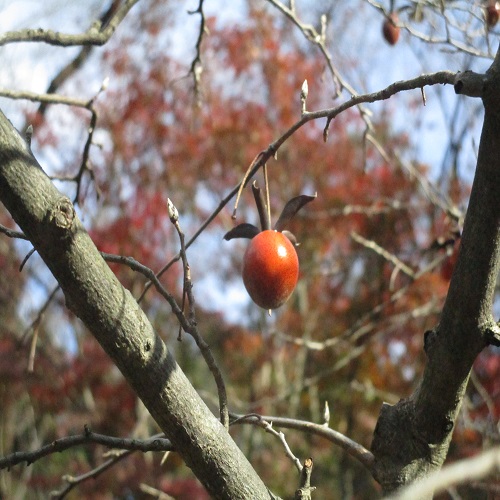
x=270, y=265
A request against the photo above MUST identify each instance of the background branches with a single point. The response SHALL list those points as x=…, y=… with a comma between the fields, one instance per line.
x=98, y=34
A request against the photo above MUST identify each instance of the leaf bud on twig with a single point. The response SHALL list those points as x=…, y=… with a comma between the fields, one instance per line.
x=172, y=211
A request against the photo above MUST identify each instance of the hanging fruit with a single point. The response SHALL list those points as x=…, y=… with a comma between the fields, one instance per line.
x=270, y=265
x=390, y=29
x=492, y=14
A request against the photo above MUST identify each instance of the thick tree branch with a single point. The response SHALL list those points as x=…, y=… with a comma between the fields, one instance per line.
x=94, y=294
x=412, y=438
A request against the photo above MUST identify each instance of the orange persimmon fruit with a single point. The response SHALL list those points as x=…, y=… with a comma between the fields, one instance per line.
x=270, y=264
x=492, y=14
x=270, y=269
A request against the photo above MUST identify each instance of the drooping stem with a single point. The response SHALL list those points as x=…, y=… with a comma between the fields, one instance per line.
x=268, y=196
x=244, y=182
x=261, y=207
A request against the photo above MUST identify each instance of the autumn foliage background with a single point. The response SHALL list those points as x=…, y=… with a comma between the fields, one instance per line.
x=352, y=333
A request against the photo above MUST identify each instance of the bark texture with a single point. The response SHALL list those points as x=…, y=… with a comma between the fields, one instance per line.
x=94, y=294
x=412, y=437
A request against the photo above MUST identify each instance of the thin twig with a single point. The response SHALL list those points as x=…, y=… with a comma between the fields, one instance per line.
x=35, y=324
x=155, y=493
x=74, y=481
x=34, y=339
x=354, y=449
x=191, y=324
x=150, y=275
x=84, y=165
x=267, y=425
x=67, y=101
x=447, y=39
x=364, y=325
x=197, y=66
x=26, y=258
x=319, y=39
x=11, y=233
x=268, y=196
x=76, y=63
x=383, y=253
x=174, y=219
x=433, y=194
x=155, y=443
x=243, y=183
x=377, y=208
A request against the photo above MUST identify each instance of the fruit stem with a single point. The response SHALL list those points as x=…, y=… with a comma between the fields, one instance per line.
x=261, y=207
x=268, y=202
x=244, y=183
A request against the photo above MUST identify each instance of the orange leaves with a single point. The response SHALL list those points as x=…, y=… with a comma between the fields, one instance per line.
x=244, y=343
x=246, y=353
x=139, y=232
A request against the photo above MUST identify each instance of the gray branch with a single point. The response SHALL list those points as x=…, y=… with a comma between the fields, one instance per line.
x=94, y=294
x=411, y=439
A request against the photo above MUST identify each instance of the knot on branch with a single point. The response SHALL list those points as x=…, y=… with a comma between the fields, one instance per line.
x=469, y=83
x=305, y=490
x=398, y=444
x=492, y=334
x=62, y=215
x=430, y=337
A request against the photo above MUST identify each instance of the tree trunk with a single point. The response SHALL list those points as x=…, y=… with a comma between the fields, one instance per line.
x=412, y=437
x=93, y=293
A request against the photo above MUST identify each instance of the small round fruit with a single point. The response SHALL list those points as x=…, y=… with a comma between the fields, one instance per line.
x=270, y=269
x=390, y=30
x=492, y=15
